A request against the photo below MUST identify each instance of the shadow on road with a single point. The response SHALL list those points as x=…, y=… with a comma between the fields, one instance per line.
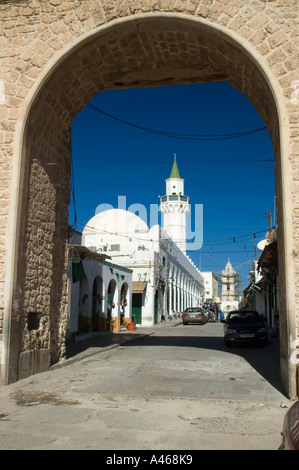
x=264, y=359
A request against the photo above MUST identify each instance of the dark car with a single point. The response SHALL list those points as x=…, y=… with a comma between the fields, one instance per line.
x=243, y=326
x=194, y=315
x=290, y=432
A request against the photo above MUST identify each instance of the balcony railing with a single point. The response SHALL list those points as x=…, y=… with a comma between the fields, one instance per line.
x=174, y=197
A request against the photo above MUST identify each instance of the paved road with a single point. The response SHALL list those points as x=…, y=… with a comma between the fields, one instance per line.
x=166, y=388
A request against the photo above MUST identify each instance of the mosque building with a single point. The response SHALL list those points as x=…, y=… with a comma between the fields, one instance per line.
x=164, y=280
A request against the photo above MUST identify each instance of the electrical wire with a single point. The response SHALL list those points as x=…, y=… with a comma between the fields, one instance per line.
x=227, y=251
x=130, y=237
x=236, y=237
x=178, y=135
x=151, y=162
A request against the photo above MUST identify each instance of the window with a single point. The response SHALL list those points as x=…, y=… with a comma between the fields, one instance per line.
x=34, y=320
x=114, y=247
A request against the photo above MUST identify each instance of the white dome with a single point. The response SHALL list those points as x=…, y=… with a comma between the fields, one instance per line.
x=115, y=221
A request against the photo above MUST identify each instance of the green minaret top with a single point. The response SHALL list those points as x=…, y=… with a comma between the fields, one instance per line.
x=175, y=170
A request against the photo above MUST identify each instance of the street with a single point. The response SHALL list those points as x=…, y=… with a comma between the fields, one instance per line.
x=174, y=388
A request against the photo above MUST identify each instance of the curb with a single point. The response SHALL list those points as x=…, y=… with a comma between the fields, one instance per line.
x=85, y=354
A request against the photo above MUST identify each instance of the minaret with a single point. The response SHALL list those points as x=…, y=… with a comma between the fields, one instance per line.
x=175, y=206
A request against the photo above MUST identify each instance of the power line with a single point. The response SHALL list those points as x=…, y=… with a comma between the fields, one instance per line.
x=150, y=162
x=227, y=251
x=178, y=135
x=233, y=239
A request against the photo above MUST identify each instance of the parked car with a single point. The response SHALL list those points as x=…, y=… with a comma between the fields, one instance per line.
x=290, y=431
x=194, y=315
x=244, y=326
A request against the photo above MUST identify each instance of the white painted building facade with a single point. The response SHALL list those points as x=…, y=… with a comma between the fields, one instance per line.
x=211, y=286
x=100, y=292
x=165, y=280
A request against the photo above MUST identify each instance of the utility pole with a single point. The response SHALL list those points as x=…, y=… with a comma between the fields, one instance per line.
x=269, y=221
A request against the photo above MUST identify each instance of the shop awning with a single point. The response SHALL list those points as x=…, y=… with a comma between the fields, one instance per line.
x=268, y=258
x=138, y=286
x=82, y=252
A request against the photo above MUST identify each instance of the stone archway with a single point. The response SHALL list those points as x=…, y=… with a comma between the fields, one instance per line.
x=125, y=302
x=150, y=49
x=98, y=289
x=112, y=303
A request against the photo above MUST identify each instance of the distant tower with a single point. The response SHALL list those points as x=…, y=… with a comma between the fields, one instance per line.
x=175, y=206
x=229, y=296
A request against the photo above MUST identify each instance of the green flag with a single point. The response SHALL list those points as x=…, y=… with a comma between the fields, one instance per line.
x=78, y=272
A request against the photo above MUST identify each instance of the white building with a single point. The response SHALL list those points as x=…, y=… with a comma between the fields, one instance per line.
x=229, y=295
x=211, y=286
x=100, y=292
x=262, y=292
x=165, y=280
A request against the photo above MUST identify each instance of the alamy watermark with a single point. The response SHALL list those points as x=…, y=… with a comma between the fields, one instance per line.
x=151, y=217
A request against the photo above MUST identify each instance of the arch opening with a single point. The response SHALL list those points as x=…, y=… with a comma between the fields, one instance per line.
x=147, y=51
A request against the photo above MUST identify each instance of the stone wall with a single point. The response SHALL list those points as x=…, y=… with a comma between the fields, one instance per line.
x=54, y=56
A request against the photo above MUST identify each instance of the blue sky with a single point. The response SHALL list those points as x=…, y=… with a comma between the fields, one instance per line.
x=229, y=177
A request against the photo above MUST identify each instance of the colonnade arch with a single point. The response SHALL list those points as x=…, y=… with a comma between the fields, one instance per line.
x=96, y=298
x=182, y=291
x=151, y=49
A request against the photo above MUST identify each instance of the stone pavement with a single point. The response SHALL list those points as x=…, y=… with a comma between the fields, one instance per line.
x=88, y=403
